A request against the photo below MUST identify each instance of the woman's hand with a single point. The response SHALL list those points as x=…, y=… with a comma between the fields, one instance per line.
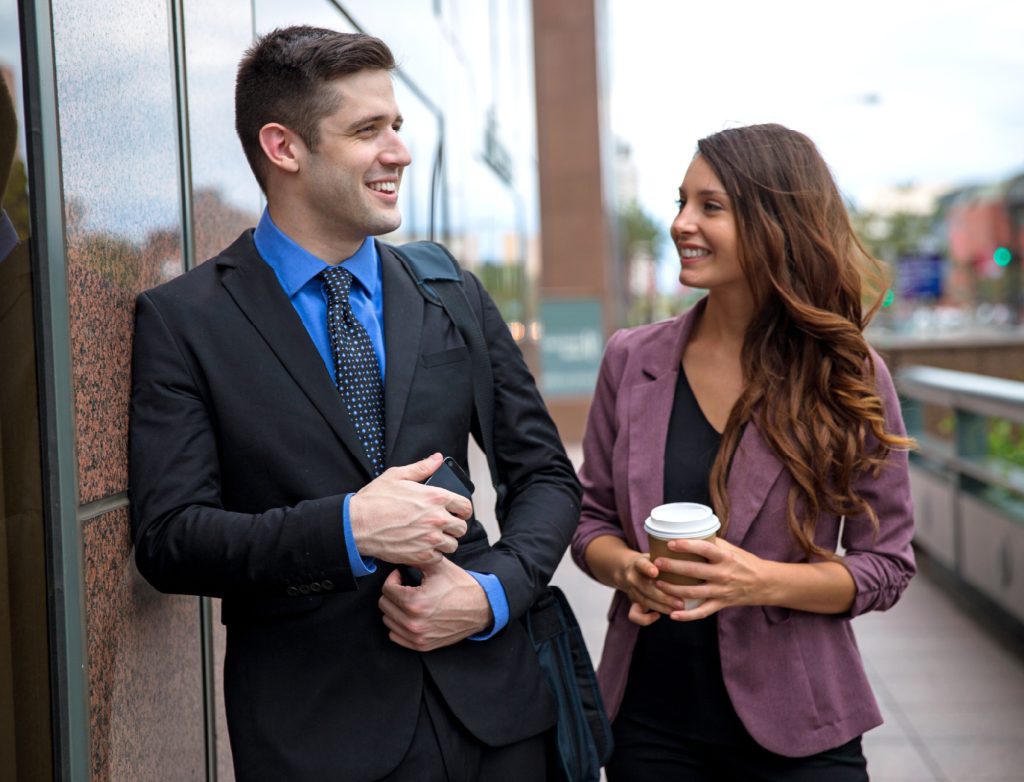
x=734, y=577
x=615, y=564
x=638, y=579
x=731, y=575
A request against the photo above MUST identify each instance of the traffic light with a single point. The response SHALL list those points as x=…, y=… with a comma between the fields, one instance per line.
x=1002, y=256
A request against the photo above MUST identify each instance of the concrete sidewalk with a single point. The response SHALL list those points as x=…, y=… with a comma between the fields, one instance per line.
x=951, y=694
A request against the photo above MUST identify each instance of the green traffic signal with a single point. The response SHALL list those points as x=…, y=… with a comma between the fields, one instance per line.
x=1002, y=256
x=890, y=297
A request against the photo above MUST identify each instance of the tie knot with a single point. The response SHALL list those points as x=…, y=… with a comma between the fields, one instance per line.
x=337, y=281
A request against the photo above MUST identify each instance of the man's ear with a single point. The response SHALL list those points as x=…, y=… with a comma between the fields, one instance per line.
x=282, y=147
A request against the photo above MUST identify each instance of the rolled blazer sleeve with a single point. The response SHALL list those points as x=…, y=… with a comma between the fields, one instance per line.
x=185, y=541
x=599, y=514
x=883, y=564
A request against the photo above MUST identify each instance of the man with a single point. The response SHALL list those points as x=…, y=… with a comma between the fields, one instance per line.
x=289, y=397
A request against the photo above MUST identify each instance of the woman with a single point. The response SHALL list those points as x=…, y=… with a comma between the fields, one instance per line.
x=765, y=402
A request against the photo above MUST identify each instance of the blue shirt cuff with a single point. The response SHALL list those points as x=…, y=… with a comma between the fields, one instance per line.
x=499, y=603
x=361, y=566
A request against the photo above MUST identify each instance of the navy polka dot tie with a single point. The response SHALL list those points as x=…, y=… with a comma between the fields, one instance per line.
x=357, y=372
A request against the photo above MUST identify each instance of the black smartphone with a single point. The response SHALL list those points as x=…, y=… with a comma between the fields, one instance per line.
x=448, y=476
x=452, y=477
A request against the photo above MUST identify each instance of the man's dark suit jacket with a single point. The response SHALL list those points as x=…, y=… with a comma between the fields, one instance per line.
x=240, y=454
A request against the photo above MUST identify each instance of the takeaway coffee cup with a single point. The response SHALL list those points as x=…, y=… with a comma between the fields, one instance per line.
x=676, y=520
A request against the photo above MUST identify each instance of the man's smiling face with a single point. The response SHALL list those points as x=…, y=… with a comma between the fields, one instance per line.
x=351, y=180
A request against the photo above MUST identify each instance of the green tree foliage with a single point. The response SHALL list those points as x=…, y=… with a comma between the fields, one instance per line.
x=893, y=235
x=639, y=232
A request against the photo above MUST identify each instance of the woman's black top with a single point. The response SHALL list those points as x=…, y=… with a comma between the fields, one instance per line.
x=675, y=679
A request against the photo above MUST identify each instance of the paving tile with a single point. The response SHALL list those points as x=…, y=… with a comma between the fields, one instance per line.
x=978, y=659
x=892, y=728
x=988, y=721
x=979, y=760
x=923, y=688
x=895, y=761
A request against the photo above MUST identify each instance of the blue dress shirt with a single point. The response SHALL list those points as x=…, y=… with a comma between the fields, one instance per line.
x=296, y=270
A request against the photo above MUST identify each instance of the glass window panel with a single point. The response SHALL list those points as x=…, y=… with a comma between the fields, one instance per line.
x=226, y=198
x=118, y=123
x=25, y=734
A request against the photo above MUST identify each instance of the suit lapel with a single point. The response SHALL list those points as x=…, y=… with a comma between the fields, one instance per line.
x=255, y=289
x=403, y=320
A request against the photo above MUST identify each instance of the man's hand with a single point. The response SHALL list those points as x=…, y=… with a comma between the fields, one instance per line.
x=448, y=606
x=396, y=519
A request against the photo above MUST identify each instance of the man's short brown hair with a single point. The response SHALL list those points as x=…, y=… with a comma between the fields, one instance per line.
x=284, y=78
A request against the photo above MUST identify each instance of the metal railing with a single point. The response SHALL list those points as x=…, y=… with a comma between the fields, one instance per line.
x=967, y=477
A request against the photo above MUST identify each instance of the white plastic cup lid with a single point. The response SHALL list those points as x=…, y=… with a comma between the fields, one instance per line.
x=682, y=520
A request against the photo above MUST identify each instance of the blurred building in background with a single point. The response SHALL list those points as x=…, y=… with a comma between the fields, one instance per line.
x=126, y=173
x=955, y=253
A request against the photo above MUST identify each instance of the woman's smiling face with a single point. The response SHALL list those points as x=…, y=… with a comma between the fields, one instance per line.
x=704, y=231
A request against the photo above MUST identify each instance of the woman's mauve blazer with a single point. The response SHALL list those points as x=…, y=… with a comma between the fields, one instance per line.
x=795, y=678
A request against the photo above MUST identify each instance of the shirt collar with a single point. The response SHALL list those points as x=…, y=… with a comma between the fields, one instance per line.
x=296, y=266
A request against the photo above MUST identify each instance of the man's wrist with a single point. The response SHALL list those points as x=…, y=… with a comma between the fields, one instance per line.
x=360, y=565
x=497, y=605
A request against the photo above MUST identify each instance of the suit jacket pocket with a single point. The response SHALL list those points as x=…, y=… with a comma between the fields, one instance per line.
x=449, y=356
x=241, y=610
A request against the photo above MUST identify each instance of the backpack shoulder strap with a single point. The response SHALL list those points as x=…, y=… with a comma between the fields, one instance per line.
x=439, y=278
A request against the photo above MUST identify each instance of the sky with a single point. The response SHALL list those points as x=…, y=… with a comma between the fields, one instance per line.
x=904, y=91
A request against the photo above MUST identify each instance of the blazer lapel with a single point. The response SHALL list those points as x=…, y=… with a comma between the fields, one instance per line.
x=651, y=400
x=255, y=289
x=755, y=469
x=403, y=319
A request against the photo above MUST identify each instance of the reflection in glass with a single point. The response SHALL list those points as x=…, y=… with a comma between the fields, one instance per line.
x=225, y=196
x=119, y=156
x=25, y=739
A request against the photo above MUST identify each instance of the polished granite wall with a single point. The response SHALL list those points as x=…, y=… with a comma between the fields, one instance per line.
x=119, y=120
x=145, y=668
x=116, y=100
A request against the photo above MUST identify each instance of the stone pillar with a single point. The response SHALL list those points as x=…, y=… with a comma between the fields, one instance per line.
x=577, y=288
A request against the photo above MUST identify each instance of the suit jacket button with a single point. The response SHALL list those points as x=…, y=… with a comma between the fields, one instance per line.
x=327, y=584
x=304, y=589
x=292, y=592
x=316, y=587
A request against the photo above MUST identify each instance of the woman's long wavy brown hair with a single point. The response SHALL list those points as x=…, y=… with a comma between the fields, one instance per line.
x=809, y=376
